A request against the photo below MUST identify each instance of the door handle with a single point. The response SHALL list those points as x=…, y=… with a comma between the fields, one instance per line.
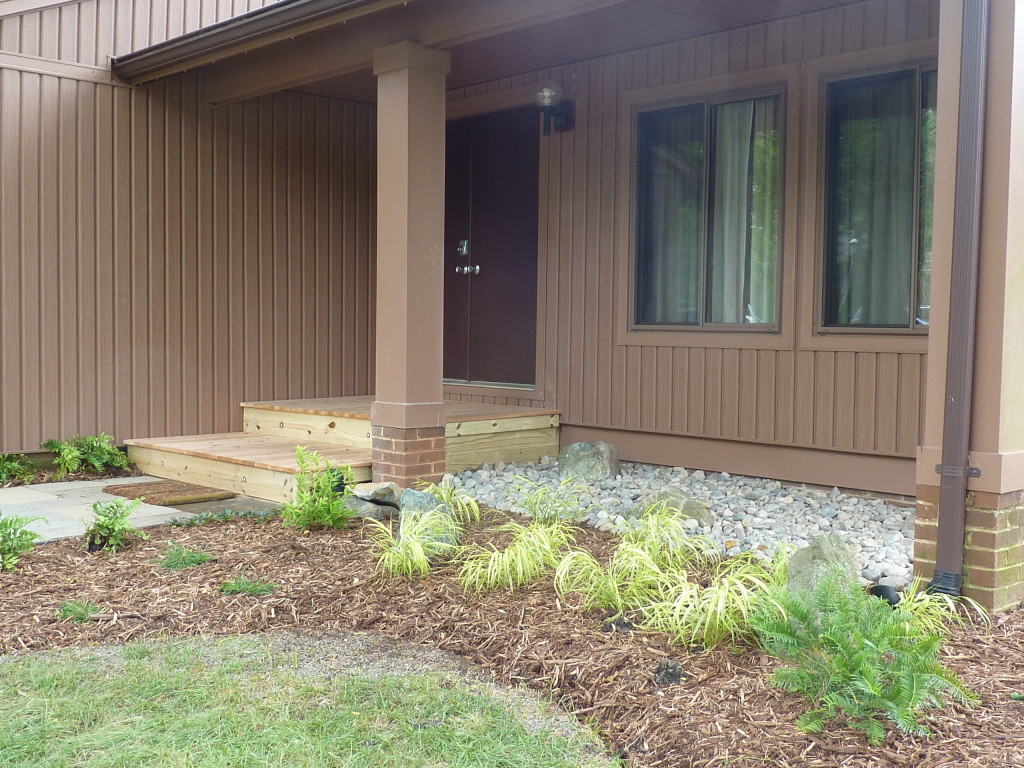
x=468, y=270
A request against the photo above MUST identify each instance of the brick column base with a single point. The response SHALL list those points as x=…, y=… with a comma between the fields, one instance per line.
x=405, y=455
x=994, y=553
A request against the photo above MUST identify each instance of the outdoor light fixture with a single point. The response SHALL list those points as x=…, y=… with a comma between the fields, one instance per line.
x=555, y=111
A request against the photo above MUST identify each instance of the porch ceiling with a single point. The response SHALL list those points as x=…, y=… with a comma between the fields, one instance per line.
x=316, y=46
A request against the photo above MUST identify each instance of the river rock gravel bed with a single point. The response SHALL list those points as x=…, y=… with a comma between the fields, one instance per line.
x=747, y=513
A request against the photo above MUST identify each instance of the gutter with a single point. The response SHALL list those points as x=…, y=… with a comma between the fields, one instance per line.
x=955, y=468
x=228, y=37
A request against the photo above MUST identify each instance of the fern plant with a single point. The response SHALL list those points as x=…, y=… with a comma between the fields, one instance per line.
x=533, y=549
x=423, y=537
x=857, y=659
x=15, y=539
x=462, y=504
x=110, y=529
x=318, y=503
x=16, y=468
x=88, y=453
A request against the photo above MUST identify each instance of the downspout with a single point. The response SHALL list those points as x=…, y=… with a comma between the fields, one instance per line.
x=955, y=468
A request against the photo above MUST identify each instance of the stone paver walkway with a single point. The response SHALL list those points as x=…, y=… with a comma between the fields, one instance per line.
x=62, y=509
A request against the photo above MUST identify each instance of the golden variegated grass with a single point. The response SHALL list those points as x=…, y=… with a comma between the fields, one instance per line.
x=533, y=549
x=422, y=538
x=462, y=504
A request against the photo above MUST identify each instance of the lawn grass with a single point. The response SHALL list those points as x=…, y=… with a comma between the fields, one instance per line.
x=206, y=704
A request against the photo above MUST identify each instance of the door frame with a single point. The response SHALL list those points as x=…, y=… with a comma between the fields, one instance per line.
x=497, y=101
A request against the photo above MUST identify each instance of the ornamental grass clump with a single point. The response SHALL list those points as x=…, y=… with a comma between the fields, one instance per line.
x=86, y=453
x=321, y=490
x=422, y=538
x=110, y=529
x=533, y=549
x=463, y=506
x=543, y=502
x=15, y=539
x=857, y=659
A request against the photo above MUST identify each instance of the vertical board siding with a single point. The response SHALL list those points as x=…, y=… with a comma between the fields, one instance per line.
x=852, y=401
x=90, y=31
x=165, y=260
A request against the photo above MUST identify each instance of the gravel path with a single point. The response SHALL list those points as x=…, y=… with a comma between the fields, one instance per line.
x=749, y=513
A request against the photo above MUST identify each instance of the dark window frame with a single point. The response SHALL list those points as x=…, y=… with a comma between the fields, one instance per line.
x=708, y=105
x=829, y=160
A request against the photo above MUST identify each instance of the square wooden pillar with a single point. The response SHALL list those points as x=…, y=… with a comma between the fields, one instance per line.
x=994, y=537
x=407, y=416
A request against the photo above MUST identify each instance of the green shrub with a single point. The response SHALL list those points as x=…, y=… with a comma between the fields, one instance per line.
x=16, y=468
x=90, y=453
x=177, y=557
x=424, y=537
x=78, y=610
x=15, y=539
x=534, y=548
x=462, y=504
x=243, y=585
x=110, y=529
x=857, y=659
x=318, y=503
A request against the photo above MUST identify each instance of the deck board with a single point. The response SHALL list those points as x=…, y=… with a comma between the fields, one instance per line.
x=358, y=407
x=262, y=451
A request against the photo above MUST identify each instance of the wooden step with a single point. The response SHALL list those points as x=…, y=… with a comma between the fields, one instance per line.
x=476, y=433
x=253, y=464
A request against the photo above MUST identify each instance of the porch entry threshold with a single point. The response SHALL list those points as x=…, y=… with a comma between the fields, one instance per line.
x=260, y=460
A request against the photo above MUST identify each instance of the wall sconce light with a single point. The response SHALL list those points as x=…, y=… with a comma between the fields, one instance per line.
x=556, y=112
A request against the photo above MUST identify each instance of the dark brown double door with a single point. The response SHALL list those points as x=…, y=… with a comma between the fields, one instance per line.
x=490, y=290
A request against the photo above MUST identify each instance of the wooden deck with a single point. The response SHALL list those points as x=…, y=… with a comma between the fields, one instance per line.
x=260, y=461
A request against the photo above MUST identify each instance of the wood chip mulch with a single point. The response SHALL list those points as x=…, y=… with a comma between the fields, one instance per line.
x=724, y=711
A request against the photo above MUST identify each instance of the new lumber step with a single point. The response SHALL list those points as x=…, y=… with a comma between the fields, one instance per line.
x=256, y=465
x=477, y=433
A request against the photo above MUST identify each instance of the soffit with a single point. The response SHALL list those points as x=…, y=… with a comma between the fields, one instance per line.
x=626, y=26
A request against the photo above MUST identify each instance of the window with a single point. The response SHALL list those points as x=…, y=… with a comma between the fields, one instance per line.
x=708, y=200
x=880, y=170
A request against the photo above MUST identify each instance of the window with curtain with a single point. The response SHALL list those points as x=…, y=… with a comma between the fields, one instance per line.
x=708, y=204
x=879, y=196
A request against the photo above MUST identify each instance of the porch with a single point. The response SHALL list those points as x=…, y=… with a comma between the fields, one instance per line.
x=260, y=460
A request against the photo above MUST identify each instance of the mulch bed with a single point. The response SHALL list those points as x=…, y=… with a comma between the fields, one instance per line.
x=50, y=475
x=724, y=712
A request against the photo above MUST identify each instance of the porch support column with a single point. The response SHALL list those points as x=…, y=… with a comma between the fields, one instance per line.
x=993, y=566
x=407, y=417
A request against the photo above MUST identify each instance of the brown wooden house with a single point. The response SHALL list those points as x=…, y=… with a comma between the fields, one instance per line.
x=740, y=237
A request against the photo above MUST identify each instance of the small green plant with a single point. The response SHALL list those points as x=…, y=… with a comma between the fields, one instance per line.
x=631, y=580
x=243, y=585
x=78, y=610
x=422, y=537
x=89, y=453
x=857, y=659
x=534, y=548
x=178, y=557
x=15, y=539
x=462, y=504
x=542, y=502
x=16, y=468
x=223, y=516
x=110, y=529
x=318, y=503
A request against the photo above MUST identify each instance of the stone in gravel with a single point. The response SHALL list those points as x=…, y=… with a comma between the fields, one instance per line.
x=808, y=565
x=369, y=509
x=589, y=461
x=381, y=493
x=674, y=497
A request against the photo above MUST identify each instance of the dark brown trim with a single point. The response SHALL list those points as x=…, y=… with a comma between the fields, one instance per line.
x=963, y=299
x=134, y=67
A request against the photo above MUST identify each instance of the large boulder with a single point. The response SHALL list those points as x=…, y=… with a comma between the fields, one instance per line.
x=675, y=498
x=589, y=461
x=378, y=501
x=807, y=566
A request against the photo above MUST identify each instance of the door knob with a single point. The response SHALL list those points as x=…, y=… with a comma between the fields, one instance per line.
x=473, y=270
